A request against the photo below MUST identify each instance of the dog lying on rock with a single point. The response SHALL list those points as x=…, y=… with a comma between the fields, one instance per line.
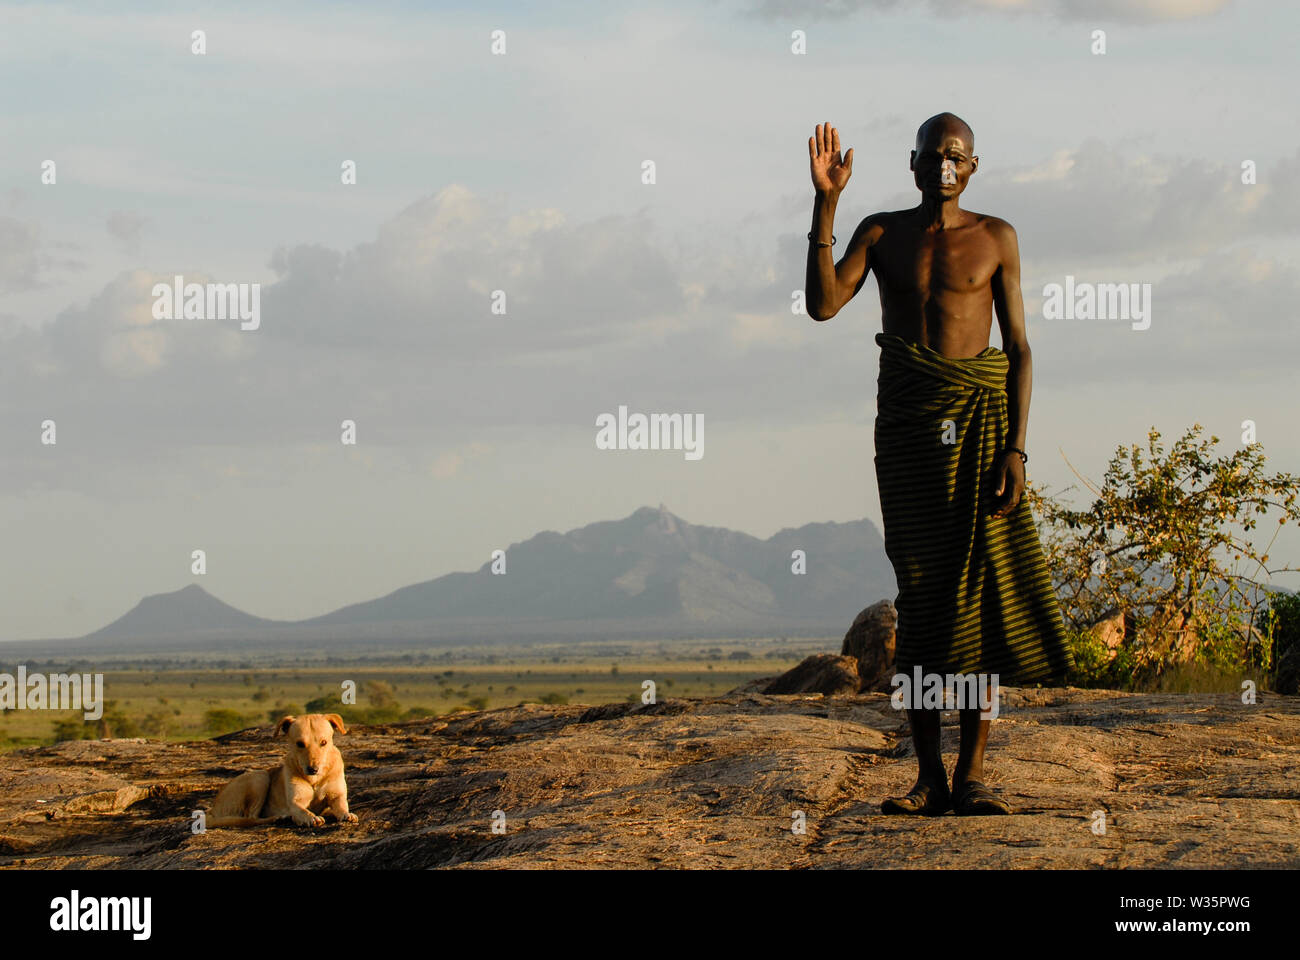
x=307, y=784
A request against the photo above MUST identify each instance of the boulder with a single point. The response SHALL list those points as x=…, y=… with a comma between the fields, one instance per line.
x=823, y=673
x=871, y=642
x=1113, y=627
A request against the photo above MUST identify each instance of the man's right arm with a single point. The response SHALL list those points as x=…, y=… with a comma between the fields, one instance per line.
x=829, y=286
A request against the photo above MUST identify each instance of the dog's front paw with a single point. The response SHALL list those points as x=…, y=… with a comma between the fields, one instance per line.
x=308, y=819
x=351, y=818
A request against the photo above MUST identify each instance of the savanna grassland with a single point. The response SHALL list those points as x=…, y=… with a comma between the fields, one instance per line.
x=195, y=696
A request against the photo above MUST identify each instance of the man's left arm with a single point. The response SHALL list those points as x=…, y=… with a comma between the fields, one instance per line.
x=1010, y=311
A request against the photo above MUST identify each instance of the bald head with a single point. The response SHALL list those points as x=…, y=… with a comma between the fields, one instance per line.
x=941, y=127
x=944, y=158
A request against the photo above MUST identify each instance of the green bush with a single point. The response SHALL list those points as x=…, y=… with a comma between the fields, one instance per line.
x=155, y=724
x=1173, y=537
x=1095, y=666
x=1282, y=624
x=73, y=730
x=113, y=724
x=380, y=694
x=217, y=722
x=386, y=714
x=282, y=710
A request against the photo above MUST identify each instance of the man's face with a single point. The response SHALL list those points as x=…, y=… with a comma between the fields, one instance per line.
x=938, y=145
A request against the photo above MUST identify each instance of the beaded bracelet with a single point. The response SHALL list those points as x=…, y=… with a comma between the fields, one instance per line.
x=1024, y=457
x=823, y=243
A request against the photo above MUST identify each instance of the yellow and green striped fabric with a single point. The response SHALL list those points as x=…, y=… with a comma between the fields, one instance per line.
x=974, y=591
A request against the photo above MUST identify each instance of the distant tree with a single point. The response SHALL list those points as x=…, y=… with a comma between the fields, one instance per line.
x=222, y=720
x=156, y=724
x=73, y=730
x=280, y=711
x=380, y=694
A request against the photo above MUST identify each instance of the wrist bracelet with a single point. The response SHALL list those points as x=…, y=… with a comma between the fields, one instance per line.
x=1024, y=457
x=823, y=243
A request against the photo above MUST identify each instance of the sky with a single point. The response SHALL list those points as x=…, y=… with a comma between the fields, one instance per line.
x=522, y=172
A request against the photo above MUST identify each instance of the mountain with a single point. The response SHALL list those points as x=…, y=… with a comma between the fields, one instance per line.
x=189, y=609
x=655, y=565
x=651, y=570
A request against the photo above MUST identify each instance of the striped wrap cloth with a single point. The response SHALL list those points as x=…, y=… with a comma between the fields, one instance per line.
x=974, y=591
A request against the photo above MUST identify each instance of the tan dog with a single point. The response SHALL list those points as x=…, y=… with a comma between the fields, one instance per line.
x=309, y=782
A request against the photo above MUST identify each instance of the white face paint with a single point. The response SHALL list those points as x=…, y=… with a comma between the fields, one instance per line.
x=947, y=172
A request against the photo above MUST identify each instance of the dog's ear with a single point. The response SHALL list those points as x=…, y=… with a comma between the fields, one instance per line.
x=336, y=722
x=282, y=727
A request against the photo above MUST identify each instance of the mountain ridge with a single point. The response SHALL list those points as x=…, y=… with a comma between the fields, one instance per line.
x=651, y=567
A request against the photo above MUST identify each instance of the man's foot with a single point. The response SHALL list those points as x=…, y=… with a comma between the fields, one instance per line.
x=923, y=800
x=975, y=799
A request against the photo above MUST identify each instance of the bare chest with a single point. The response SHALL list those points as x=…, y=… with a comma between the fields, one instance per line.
x=926, y=264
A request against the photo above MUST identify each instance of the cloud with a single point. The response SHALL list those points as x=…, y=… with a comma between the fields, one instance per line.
x=1102, y=202
x=126, y=228
x=430, y=277
x=398, y=333
x=20, y=263
x=1226, y=319
x=449, y=463
x=1131, y=11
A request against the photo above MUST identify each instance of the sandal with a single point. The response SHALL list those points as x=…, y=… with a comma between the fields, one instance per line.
x=922, y=800
x=974, y=799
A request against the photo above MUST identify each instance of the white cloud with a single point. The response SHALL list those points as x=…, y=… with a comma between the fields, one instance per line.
x=1133, y=11
x=126, y=227
x=448, y=463
x=397, y=333
x=20, y=263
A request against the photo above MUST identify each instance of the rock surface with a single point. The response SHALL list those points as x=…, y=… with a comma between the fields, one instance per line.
x=1184, y=781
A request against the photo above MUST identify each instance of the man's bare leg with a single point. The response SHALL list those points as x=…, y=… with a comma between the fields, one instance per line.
x=929, y=796
x=971, y=797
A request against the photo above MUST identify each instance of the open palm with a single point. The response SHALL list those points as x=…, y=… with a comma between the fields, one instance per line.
x=830, y=172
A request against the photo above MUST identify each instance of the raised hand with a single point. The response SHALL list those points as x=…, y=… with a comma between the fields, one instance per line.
x=830, y=172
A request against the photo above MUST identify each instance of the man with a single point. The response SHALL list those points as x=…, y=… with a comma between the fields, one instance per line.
x=974, y=592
